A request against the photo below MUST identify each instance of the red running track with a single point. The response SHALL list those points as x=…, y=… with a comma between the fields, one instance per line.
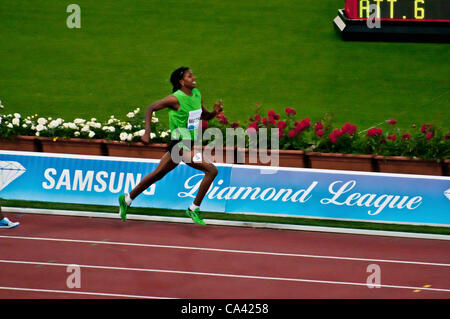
x=137, y=259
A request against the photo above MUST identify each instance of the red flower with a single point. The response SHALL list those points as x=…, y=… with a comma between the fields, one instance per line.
x=406, y=136
x=235, y=124
x=272, y=120
x=429, y=135
x=335, y=135
x=253, y=126
x=257, y=117
x=426, y=127
x=302, y=125
x=205, y=125
x=318, y=126
x=280, y=132
x=292, y=133
x=374, y=132
x=264, y=121
x=271, y=113
x=319, y=133
x=392, y=137
x=349, y=128
x=223, y=120
x=392, y=122
x=333, y=138
x=290, y=111
x=447, y=137
x=281, y=125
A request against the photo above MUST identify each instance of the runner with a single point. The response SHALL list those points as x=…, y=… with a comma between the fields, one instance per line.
x=186, y=110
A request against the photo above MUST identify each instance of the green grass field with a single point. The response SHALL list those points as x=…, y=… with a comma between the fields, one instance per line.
x=279, y=53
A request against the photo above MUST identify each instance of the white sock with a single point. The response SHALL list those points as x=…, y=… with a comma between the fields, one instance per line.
x=128, y=199
x=193, y=207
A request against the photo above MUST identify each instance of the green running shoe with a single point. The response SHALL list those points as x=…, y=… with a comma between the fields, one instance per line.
x=195, y=215
x=123, y=207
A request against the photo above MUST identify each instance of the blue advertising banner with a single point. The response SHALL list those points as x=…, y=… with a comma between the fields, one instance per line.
x=293, y=192
x=93, y=180
x=341, y=195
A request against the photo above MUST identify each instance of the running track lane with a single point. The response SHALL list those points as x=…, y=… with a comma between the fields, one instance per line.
x=168, y=260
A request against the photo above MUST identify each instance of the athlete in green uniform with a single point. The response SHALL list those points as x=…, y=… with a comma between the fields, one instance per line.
x=186, y=110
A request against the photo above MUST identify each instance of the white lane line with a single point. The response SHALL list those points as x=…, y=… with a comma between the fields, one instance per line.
x=181, y=272
x=229, y=251
x=102, y=294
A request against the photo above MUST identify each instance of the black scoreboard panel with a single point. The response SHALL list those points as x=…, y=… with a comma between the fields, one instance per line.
x=430, y=10
x=394, y=20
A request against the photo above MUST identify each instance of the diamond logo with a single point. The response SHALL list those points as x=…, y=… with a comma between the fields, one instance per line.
x=447, y=194
x=9, y=171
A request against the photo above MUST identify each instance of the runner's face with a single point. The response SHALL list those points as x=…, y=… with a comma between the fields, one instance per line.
x=189, y=80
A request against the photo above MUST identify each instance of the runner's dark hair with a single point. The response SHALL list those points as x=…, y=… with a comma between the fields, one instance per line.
x=176, y=76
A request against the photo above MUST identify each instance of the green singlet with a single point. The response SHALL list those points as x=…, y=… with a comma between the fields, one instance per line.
x=184, y=122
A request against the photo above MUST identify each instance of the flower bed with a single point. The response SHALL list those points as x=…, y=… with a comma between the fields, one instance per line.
x=301, y=142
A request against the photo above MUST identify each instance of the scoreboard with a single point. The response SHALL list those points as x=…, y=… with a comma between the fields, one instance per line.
x=409, y=20
x=400, y=10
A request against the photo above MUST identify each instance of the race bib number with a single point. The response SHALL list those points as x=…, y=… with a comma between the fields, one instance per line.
x=194, y=119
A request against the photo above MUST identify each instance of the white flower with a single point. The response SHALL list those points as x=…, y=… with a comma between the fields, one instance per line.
x=110, y=129
x=91, y=134
x=37, y=134
x=54, y=124
x=16, y=121
x=129, y=137
x=9, y=125
x=79, y=121
x=94, y=124
x=85, y=128
x=137, y=110
x=40, y=127
x=152, y=135
x=42, y=121
x=139, y=133
x=76, y=134
x=130, y=115
x=24, y=125
x=164, y=134
x=70, y=125
x=154, y=120
x=123, y=136
x=17, y=115
x=128, y=127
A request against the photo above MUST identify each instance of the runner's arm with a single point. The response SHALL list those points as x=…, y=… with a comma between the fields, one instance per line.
x=168, y=102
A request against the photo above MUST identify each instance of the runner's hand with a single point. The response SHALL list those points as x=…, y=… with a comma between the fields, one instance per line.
x=218, y=107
